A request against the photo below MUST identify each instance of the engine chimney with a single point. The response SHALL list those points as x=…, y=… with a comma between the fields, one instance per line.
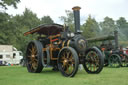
x=77, y=18
x=116, y=39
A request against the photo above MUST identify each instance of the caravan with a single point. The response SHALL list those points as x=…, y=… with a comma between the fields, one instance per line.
x=9, y=55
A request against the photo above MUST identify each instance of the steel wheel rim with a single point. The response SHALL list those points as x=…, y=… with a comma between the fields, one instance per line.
x=92, y=61
x=114, y=61
x=32, y=60
x=67, y=62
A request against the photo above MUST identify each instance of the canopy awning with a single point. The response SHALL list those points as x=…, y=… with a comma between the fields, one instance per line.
x=47, y=29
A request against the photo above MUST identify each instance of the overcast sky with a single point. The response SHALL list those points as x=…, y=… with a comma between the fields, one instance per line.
x=56, y=8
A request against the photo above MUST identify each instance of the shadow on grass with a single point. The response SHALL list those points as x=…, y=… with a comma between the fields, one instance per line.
x=49, y=71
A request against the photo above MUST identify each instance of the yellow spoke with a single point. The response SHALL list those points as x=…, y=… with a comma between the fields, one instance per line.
x=34, y=64
x=68, y=54
x=67, y=70
x=30, y=62
x=31, y=66
x=30, y=50
x=94, y=67
x=71, y=67
x=63, y=58
x=64, y=63
x=36, y=60
x=34, y=50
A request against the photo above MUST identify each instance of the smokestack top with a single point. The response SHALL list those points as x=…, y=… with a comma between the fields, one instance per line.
x=76, y=8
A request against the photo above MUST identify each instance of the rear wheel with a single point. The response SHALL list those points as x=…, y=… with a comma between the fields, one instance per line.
x=34, y=57
x=93, y=61
x=68, y=62
x=114, y=61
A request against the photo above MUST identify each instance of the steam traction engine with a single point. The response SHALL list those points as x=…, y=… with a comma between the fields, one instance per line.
x=113, y=54
x=56, y=46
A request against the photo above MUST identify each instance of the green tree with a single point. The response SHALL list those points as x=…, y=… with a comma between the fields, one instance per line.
x=108, y=26
x=68, y=20
x=123, y=28
x=21, y=24
x=5, y=3
x=90, y=27
x=13, y=28
x=4, y=24
x=46, y=20
x=122, y=23
x=29, y=19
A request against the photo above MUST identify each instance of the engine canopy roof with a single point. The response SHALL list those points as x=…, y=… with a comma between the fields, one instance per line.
x=46, y=29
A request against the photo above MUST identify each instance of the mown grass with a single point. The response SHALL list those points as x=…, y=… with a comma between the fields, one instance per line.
x=17, y=75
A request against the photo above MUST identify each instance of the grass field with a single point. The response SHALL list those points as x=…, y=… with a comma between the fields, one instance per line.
x=17, y=75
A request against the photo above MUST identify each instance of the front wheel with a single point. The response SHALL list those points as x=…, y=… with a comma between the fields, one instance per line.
x=93, y=61
x=114, y=61
x=68, y=62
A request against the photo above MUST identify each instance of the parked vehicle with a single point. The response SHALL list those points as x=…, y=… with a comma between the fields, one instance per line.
x=114, y=55
x=9, y=56
x=62, y=49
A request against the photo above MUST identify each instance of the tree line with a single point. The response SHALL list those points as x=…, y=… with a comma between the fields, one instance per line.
x=92, y=28
x=12, y=27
